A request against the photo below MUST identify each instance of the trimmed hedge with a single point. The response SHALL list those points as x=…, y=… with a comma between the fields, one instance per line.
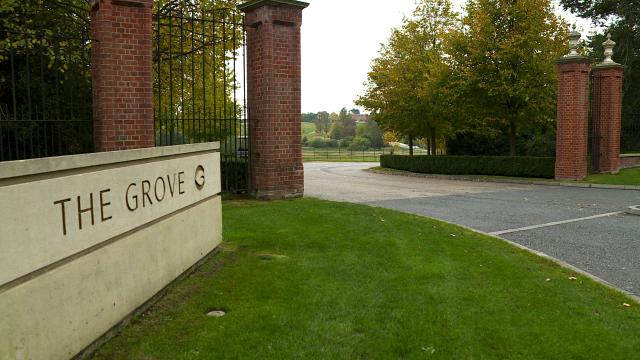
x=522, y=166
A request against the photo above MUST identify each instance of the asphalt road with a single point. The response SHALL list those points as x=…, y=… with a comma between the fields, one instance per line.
x=547, y=219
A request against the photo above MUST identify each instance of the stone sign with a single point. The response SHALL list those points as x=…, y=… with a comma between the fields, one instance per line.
x=90, y=232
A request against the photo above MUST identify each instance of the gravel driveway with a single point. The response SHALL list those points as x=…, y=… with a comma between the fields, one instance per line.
x=584, y=227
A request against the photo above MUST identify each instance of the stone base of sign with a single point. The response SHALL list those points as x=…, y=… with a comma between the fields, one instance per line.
x=63, y=287
x=114, y=331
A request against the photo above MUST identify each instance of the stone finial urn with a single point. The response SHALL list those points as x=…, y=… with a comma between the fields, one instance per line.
x=608, y=50
x=574, y=42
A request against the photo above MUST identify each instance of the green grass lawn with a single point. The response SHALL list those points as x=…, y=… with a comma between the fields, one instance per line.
x=625, y=177
x=310, y=279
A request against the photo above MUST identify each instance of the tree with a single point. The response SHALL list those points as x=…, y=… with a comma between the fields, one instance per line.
x=322, y=122
x=336, y=130
x=309, y=117
x=404, y=88
x=348, y=124
x=45, y=59
x=621, y=18
x=372, y=132
x=390, y=137
x=355, y=111
x=503, y=61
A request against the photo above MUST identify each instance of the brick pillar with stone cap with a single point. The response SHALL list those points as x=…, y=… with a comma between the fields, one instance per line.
x=122, y=66
x=572, y=113
x=274, y=97
x=607, y=109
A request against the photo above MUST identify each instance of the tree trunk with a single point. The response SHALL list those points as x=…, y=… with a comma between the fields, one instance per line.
x=512, y=138
x=433, y=141
x=410, y=145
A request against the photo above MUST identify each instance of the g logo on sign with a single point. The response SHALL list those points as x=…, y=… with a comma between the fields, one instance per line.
x=199, y=177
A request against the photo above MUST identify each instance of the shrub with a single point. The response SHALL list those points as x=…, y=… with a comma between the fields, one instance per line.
x=360, y=143
x=317, y=142
x=530, y=142
x=523, y=166
x=346, y=142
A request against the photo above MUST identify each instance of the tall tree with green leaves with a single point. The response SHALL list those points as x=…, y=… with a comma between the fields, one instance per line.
x=322, y=122
x=45, y=59
x=503, y=60
x=348, y=124
x=404, y=88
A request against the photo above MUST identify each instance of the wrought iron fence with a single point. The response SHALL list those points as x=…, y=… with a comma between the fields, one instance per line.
x=630, y=133
x=346, y=154
x=199, y=87
x=45, y=95
x=594, y=135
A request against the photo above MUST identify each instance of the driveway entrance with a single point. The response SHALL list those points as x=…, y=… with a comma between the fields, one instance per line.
x=584, y=227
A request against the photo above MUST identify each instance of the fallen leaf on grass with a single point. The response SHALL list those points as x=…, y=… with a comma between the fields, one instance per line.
x=430, y=349
x=547, y=280
x=626, y=305
x=573, y=278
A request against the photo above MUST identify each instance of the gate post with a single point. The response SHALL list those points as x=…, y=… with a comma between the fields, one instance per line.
x=572, y=113
x=122, y=67
x=608, y=110
x=274, y=97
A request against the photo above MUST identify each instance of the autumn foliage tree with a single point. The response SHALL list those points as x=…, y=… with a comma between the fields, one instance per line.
x=503, y=63
x=404, y=85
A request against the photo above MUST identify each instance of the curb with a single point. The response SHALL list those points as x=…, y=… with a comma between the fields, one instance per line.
x=505, y=181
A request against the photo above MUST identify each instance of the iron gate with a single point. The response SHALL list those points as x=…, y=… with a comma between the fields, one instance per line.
x=594, y=122
x=199, y=92
x=45, y=83
x=630, y=133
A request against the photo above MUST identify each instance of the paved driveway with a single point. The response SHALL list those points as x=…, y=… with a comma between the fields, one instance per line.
x=584, y=227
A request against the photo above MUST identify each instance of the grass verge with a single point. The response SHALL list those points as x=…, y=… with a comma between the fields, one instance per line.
x=323, y=280
x=625, y=177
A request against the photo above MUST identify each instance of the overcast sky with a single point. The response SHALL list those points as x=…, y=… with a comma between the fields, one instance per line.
x=339, y=40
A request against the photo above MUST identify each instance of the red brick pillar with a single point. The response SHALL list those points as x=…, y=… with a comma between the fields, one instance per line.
x=608, y=114
x=274, y=97
x=573, y=118
x=122, y=74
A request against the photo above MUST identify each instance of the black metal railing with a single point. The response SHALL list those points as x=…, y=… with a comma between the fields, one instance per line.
x=45, y=84
x=594, y=137
x=199, y=92
x=630, y=134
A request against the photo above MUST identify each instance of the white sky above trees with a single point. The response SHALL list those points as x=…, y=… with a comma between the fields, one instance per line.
x=341, y=37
